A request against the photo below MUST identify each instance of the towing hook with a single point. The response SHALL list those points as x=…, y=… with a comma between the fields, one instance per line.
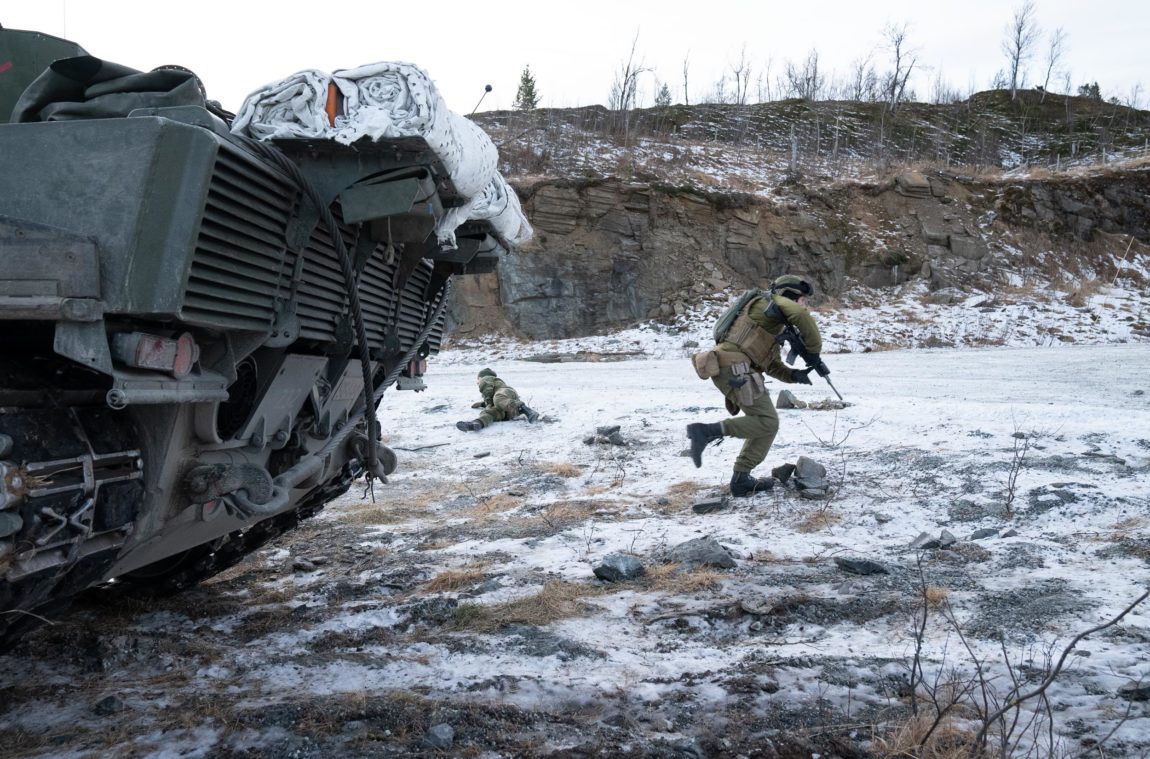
x=385, y=458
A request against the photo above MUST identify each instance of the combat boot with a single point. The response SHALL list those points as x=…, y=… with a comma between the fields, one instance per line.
x=701, y=435
x=743, y=484
x=473, y=426
x=531, y=414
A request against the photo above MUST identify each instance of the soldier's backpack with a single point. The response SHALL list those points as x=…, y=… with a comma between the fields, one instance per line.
x=723, y=325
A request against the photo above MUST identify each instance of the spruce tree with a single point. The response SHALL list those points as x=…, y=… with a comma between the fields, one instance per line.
x=663, y=99
x=526, y=98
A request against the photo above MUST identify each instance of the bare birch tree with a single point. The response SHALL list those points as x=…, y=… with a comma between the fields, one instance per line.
x=742, y=73
x=763, y=83
x=686, y=69
x=1054, y=52
x=625, y=89
x=1018, y=43
x=805, y=80
x=902, y=59
x=863, y=84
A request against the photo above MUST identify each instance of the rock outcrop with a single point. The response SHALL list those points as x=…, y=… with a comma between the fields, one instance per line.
x=609, y=253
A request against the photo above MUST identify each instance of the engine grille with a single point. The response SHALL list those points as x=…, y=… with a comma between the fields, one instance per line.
x=320, y=298
x=241, y=265
x=238, y=263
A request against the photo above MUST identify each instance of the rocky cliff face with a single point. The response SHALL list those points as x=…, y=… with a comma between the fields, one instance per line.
x=609, y=253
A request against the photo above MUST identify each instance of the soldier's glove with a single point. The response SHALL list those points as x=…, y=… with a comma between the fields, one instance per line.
x=477, y=404
x=800, y=376
x=818, y=365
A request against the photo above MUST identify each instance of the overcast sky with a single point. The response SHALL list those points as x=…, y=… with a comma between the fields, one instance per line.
x=575, y=48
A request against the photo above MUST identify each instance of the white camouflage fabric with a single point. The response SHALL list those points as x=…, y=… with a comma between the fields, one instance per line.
x=390, y=100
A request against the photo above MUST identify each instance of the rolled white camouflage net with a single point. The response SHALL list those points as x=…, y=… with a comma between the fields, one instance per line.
x=390, y=100
x=291, y=107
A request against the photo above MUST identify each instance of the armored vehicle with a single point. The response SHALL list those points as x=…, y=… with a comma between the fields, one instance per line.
x=195, y=328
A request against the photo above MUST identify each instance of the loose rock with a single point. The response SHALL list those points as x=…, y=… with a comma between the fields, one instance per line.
x=861, y=566
x=708, y=505
x=925, y=542
x=787, y=399
x=986, y=532
x=783, y=472
x=810, y=474
x=1135, y=692
x=302, y=565
x=701, y=552
x=108, y=706
x=606, y=435
x=439, y=736
x=618, y=567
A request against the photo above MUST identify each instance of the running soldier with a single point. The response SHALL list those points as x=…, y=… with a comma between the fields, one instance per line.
x=750, y=347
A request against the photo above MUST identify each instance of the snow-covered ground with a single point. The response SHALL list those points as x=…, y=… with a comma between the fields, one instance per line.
x=464, y=595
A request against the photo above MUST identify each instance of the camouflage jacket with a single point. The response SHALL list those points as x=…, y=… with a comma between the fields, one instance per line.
x=771, y=313
x=487, y=388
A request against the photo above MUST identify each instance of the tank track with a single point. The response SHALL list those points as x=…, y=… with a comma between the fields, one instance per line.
x=198, y=564
x=192, y=567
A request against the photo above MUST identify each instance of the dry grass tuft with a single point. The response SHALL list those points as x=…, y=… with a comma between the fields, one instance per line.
x=437, y=543
x=431, y=495
x=455, y=579
x=1082, y=291
x=567, y=513
x=948, y=741
x=268, y=596
x=371, y=515
x=563, y=469
x=264, y=621
x=817, y=520
x=556, y=600
x=679, y=497
x=686, y=487
x=674, y=578
x=1130, y=524
x=500, y=503
x=936, y=596
x=562, y=515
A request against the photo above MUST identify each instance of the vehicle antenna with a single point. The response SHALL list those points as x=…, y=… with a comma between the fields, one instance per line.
x=486, y=89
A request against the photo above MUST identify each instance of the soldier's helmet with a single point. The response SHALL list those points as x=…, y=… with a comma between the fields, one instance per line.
x=486, y=373
x=791, y=286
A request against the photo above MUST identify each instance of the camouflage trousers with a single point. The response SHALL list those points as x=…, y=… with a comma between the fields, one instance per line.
x=506, y=405
x=757, y=427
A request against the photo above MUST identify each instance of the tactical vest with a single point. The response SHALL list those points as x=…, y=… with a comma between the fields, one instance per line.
x=753, y=340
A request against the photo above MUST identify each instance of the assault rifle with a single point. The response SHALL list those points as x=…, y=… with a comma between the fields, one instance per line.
x=793, y=342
